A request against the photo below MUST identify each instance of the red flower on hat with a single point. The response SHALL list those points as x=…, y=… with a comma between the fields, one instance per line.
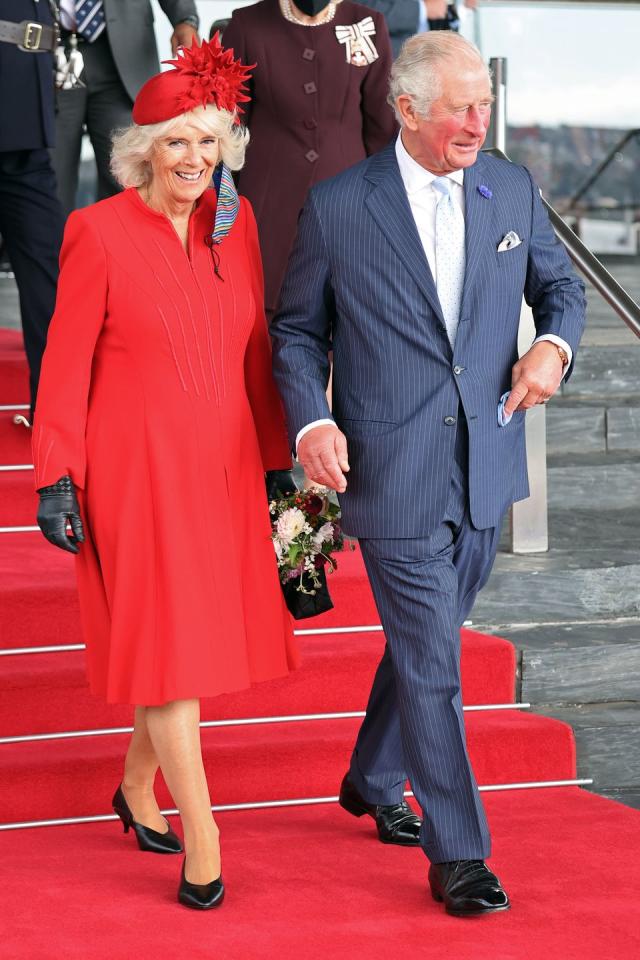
x=215, y=76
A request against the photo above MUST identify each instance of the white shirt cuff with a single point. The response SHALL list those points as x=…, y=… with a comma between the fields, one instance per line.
x=559, y=342
x=311, y=426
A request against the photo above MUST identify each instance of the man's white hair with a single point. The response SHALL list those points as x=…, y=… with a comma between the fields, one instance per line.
x=416, y=72
x=134, y=146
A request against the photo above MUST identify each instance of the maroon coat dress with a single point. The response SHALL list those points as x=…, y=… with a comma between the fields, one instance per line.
x=313, y=113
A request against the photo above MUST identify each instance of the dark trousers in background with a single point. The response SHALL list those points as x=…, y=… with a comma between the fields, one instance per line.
x=414, y=727
x=101, y=106
x=31, y=225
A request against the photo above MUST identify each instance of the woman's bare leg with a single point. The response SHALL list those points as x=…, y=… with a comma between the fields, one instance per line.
x=175, y=734
x=140, y=768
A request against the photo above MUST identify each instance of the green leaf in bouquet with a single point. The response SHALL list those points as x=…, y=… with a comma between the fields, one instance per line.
x=295, y=553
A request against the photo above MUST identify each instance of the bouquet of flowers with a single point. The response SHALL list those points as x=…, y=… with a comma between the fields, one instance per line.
x=306, y=533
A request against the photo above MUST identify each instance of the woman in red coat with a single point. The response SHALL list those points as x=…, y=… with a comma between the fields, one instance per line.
x=157, y=410
x=318, y=105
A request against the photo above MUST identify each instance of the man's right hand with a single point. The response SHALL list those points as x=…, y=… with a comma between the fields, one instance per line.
x=323, y=454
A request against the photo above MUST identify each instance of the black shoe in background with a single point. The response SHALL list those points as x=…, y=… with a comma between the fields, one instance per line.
x=396, y=822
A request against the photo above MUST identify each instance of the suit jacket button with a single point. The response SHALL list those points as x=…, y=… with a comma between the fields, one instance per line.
x=311, y=156
x=310, y=87
x=450, y=421
x=308, y=53
x=458, y=370
x=311, y=124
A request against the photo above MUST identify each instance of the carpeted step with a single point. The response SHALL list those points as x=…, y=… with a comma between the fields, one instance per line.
x=38, y=598
x=18, y=499
x=46, y=693
x=15, y=439
x=39, y=604
x=278, y=761
x=14, y=376
x=311, y=882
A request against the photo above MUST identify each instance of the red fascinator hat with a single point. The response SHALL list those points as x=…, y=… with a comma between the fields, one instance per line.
x=201, y=75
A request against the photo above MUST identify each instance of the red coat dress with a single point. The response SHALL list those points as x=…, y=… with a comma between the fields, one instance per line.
x=312, y=114
x=157, y=398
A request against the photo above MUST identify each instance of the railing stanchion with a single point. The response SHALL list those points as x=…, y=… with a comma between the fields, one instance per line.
x=529, y=526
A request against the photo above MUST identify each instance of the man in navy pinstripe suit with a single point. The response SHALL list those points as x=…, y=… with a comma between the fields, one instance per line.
x=412, y=266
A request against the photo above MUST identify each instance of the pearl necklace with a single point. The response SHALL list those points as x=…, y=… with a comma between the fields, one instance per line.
x=289, y=15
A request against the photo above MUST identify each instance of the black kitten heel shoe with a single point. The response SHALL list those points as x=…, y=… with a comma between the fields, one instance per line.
x=148, y=839
x=200, y=896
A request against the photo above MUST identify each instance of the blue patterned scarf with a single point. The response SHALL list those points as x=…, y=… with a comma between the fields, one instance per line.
x=228, y=203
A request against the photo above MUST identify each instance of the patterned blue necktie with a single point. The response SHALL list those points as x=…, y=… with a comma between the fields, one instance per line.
x=90, y=19
x=450, y=255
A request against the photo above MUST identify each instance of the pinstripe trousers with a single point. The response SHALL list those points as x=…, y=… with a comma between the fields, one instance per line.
x=414, y=728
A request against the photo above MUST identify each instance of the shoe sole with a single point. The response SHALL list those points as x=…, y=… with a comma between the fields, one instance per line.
x=199, y=906
x=469, y=913
x=400, y=843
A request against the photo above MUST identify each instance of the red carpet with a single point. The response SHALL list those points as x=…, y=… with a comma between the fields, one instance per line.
x=76, y=777
x=15, y=439
x=14, y=378
x=305, y=882
x=335, y=676
x=314, y=884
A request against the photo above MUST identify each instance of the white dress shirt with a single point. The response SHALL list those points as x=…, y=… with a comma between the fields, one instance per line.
x=423, y=200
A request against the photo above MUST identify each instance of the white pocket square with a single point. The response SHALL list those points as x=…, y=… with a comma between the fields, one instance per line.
x=509, y=241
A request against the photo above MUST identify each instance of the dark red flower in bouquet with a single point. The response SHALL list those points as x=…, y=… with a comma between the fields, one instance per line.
x=314, y=504
x=202, y=74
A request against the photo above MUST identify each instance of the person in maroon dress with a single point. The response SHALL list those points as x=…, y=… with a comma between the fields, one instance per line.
x=157, y=420
x=318, y=105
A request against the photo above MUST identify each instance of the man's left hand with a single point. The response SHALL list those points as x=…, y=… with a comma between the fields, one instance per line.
x=535, y=377
x=183, y=36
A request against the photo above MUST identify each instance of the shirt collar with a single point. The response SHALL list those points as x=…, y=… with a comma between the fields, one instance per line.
x=416, y=177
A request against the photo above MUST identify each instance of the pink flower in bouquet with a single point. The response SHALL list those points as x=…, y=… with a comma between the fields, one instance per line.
x=324, y=534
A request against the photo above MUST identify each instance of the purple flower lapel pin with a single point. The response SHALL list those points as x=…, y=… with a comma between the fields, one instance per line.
x=484, y=191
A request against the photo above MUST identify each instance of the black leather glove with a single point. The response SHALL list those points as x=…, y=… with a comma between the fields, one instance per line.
x=280, y=483
x=59, y=505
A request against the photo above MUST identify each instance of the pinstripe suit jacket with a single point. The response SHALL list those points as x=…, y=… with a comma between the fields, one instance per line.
x=358, y=282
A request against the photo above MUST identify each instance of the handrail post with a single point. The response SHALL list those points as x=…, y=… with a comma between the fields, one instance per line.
x=529, y=532
x=529, y=522
x=497, y=135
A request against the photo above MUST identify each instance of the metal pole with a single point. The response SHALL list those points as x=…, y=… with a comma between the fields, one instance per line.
x=529, y=525
x=498, y=128
x=529, y=521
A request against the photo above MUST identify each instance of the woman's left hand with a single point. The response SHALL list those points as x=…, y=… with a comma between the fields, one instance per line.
x=280, y=483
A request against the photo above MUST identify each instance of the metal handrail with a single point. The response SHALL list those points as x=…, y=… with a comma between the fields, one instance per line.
x=602, y=166
x=589, y=265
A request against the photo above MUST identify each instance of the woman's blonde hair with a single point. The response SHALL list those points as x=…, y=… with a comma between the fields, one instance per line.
x=133, y=146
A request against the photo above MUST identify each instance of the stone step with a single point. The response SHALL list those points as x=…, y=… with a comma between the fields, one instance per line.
x=586, y=429
x=591, y=572
x=630, y=796
x=606, y=371
x=607, y=740
x=594, y=486
x=565, y=664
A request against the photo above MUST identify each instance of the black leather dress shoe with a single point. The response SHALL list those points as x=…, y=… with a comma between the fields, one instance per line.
x=200, y=896
x=467, y=888
x=396, y=822
x=149, y=840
